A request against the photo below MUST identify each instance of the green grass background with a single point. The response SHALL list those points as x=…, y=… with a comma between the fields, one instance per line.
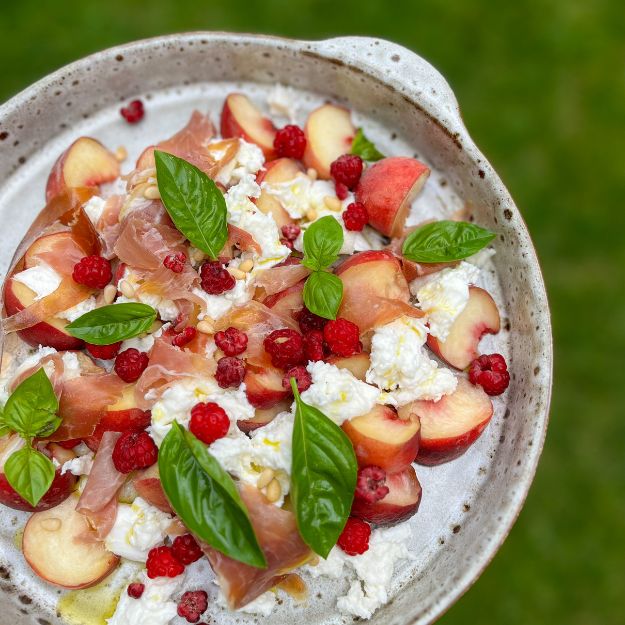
x=542, y=89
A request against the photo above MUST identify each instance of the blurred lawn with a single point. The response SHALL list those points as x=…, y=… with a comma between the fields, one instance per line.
x=542, y=89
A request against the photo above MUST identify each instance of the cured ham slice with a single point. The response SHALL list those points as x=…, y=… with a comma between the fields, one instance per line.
x=276, y=530
x=109, y=225
x=242, y=240
x=148, y=486
x=282, y=277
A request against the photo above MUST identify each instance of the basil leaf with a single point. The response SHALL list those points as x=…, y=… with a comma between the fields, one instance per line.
x=112, y=323
x=323, y=476
x=365, y=148
x=30, y=473
x=4, y=428
x=31, y=408
x=444, y=241
x=323, y=240
x=205, y=497
x=194, y=203
x=323, y=293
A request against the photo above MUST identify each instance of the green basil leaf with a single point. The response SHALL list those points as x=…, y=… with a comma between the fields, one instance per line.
x=365, y=148
x=444, y=241
x=323, y=476
x=4, y=428
x=30, y=473
x=323, y=240
x=31, y=408
x=195, y=204
x=112, y=323
x=205, y=497
x=323, y=293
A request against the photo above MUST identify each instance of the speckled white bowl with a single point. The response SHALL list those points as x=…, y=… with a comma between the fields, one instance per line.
x=470, y=504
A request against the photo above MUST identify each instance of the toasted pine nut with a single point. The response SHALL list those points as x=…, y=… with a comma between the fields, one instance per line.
x=247, y=265
x=205, y=327
x=311, y=214
x=312, y=173
x=333, y=203
x=155, y=327
x=314, y=561
x=236, y=273
x=265, y=477
x=152, y=193
x=196, y=256
x=121, y=153
x=52, y=524
x=109, y=293
x=274, y=491
x=127, y=289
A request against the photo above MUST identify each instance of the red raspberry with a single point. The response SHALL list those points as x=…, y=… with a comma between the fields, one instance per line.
x=162, y=563
x=93, y=271
x=309, y=322
x=104, y=352
x=134, y=112
x=130, y=364
x=69, y=444
x=290, y=142
x=287, y=243
x=135, y=590
x=290, y=231
x=302, y=378
x=347, y=170
x=184, y=337
x=313, y=345
x=371, y=485
x=355, y=217
x=134, y=450
x=175, y=262
x=354, y=539
x=341, y=190
x=342, y=337
x=192, y=605
x=209, y=422
x=491, y=373
x=286, y=348
x=230, y=372
x=232, y=342
x=216, y=279
x=186, y=549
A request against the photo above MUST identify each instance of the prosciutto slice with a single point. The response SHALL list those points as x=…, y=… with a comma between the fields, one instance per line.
x=282, y=277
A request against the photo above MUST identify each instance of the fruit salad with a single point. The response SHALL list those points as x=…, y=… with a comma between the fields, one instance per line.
x=225, y=363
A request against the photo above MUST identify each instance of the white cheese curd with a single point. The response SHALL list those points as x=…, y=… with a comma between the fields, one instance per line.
x=216, y=306
x=41, y=279
x=142, y=344
x=166, y=308
x=71, y=314
x=138, y=527
x=300, y=194
x=34, y=359
x=337, y=393
x=444, y=295
x=81, y=465
x=94, y=208
x=400, y=365
x=71, y=366
x=154, y=607
x=249, y=159
x=282, y=102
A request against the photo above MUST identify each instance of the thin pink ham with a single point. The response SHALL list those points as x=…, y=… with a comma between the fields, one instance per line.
x=147, y=483
x=242, y=240
x=109, y=225
x=282, y=277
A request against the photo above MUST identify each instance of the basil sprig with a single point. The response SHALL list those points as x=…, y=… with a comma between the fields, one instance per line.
x=205, y=497
x=445, y=241
x=30, y=411
x=323, y=291
x=112, y=323
x=323, y=476
x=364, y=148
x=194, y=203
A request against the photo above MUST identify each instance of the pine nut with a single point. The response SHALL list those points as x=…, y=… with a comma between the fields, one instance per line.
x=127, y=289
x=109, y=293
x=265, y=477
x=247, y=265
x=274, y=491
x=121, y=153
x=205, y=327
x=52, y=524
x=236, y=273
x=155, y=327
x=196, y=256
x=333, y=203
x=311, y=214
x=152, y=193
x=312, y=173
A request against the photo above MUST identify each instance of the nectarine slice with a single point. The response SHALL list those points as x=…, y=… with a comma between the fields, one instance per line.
x=280, y=170
x=357, y=364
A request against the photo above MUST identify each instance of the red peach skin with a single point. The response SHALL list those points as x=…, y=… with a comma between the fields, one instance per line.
x=288, y=301
x=60, y=489
x=263, y=387
x=280, y=170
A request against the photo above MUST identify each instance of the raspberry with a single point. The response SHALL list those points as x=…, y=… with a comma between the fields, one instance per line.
x=290, y=142
x=135, y=590
x=92, y=271
x=134, y=112
x=355, y=217
x=309, y=322
x=302, y=378
x=230, y=372
x=313, y=345
x=69, y=444
x=162, y=563
x=130, y=364
x=209, y=422
x=104, y=352
x=354, y=539
x=215, y=278
x=347, y=170
x=342, y=337
x=175, y=262
x=192, y=605
x=287, y=243
x=290, y=231
x=134, y=450
x=341, y=190
x=184, y=337
x=371, y=485
x=491, y=373
x=286, y=348
x=232, y=342
x=186, y=549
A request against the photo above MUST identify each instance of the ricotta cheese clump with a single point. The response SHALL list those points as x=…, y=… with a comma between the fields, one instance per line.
x=41, y=279
x=249, y=159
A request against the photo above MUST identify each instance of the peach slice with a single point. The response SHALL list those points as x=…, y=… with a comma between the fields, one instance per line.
x=86, y=163
x=263, y=417
x=357, y=365
x=288, y=301
x=329, y=134
x=280, y=170
x=240, y=118
x=148, y=486
x=479, y=317
x=387, y=189
x=263, y=387
x=400, y=504
x=55, y=549
x=380, y=438
x=450, y=425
